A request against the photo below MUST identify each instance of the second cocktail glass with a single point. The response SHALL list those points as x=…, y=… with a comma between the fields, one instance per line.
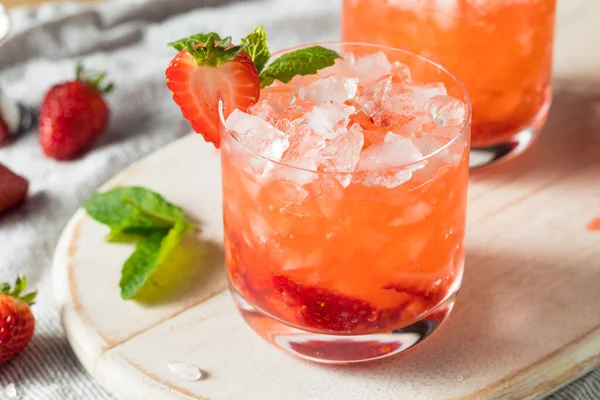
x=500, y=49
x=344, y=205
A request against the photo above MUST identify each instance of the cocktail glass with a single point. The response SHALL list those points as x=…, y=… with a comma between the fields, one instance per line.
x=500, y=49
x=363, y=262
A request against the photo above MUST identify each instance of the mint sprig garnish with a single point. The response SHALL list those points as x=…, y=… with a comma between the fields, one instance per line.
x=257, y=49
x=143, y=216
x=210, y=49
x=305, y=61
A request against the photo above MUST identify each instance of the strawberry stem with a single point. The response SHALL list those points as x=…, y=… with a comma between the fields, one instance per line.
x=213, y=52
x=95, y=81
x=17, y=290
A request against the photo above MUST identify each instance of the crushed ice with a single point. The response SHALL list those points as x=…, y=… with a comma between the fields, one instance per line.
x=187, y=372
x=364, y=115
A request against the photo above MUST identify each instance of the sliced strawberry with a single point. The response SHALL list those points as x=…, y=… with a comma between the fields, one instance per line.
x=201, y=75
x=321, y=309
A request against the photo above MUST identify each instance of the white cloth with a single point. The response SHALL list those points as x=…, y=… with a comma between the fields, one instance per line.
x=127, y=39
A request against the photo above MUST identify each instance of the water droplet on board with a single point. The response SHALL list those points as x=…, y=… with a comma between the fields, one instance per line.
x=460, y=378
x=185, y=371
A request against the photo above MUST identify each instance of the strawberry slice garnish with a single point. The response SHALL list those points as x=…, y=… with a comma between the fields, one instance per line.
x=202, y=74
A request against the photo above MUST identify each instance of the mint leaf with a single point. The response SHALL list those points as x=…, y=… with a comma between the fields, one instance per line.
x=132, y=208
x=256, y=47
x=153, y=204
x=132, y=234
x=199, y=38
x=305, y=61
x=148, y=256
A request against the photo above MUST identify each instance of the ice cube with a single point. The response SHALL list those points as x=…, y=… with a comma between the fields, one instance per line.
x=302, y=157
x=259, y=227
x=329, y=120
x=341, y=67
x=399, y=102
x=389, y=180
x=413, y=128
x=443, y=12
x=421, y=93
x=385, y=163
x=428, y=144
x=413, y=214
x=394, y=151
x=401, y=71
x=405, y=4
x=446, y=13
x=185, y=371
x=299, y=260
x=334, y=88
x=343, y=154
x=305, y=144
x=373, y=98
x=446, y=110
x=281, y=97
x=372, y=67
x=258, y=135
x=263, y=110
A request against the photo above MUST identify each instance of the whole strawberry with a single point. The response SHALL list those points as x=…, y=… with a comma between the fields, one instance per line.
x=16, y=320
x=13, y=189
x=73, y=114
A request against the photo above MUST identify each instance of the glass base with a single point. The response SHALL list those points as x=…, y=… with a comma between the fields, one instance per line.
x=342, y=349
x=509, y=146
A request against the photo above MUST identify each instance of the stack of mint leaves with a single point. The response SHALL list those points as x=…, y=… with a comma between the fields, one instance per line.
x=139, y=215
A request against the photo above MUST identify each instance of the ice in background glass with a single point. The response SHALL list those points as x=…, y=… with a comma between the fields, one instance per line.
x=500, y=49
x=344, y=205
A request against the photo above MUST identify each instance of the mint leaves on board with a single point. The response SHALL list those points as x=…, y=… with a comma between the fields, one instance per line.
x=306, y=61
x=143, y=216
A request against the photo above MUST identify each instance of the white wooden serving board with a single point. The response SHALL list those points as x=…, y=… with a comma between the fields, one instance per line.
x=526, y=321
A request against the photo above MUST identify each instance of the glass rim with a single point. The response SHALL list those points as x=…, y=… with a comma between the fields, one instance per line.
x=459, y=128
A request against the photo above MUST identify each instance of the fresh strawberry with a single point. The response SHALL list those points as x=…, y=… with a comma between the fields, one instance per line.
x=13, y=189
x=321, y=309
x=202, y=74
x=73, y=114
x=16, y=320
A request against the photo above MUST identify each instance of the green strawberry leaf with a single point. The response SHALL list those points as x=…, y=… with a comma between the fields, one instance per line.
x=17, y=290
x=213, y=53
x=133, y=208
x=305, y=61
x=198, y=38
x=256, y=47
x=148, y=256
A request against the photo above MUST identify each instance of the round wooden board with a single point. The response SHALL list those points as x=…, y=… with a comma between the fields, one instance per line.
x=526, y=321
